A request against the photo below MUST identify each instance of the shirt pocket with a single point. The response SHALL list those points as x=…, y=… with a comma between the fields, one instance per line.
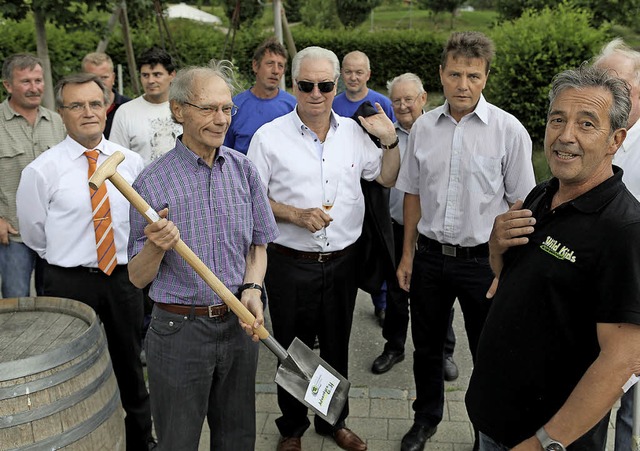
x=486, y=174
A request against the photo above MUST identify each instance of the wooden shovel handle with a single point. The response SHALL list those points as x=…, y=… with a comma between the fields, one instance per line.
x=192, y=259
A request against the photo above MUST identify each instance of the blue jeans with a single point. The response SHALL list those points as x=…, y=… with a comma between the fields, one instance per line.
x=486, y=443
x=624, y=419
x=16, y=265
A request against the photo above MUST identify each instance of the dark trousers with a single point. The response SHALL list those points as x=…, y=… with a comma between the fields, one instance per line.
x=201, y=367
x=309, y=299
x=436, y=282
x=119, y=305
x=396, y=321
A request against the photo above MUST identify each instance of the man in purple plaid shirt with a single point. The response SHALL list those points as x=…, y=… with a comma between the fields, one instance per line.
x=200, y=363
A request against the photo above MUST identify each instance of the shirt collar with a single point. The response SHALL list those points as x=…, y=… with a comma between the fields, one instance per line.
x=333, y=121
x=631, y=141
x=481, y=110
x=400, y=127
x=10, y=113
x=594, y=199
x=77, y=150
x=195, y=161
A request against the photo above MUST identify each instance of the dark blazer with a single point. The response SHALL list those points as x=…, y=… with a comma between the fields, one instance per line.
x=375, y=245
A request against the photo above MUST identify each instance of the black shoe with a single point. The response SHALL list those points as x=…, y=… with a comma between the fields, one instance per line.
x=450, y=369
x=417, y=436
x=385, y=362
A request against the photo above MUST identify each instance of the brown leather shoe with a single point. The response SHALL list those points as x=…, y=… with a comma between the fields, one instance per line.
x=347, y=439
x=289, y=444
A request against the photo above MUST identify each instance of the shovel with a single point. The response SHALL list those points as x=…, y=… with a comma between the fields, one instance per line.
x=303, y=374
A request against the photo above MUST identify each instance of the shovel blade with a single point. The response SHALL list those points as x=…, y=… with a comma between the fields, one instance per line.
x=312, y=381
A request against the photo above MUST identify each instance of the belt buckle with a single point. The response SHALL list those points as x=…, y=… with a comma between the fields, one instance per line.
x=323, y=256
x=210, y=311
x=449, y=251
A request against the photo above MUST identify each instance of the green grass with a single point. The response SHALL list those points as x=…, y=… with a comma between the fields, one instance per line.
x=399, y=18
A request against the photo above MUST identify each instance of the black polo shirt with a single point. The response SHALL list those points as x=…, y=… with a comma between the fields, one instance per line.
x=581, y=267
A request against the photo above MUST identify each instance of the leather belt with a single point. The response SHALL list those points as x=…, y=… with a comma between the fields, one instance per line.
x=320, y=257
x=212, y=311
x=428, y=245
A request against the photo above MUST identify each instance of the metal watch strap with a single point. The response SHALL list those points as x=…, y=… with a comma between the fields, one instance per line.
x=547, y=442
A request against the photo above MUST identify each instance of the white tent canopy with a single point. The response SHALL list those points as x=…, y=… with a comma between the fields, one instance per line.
x=189, y=12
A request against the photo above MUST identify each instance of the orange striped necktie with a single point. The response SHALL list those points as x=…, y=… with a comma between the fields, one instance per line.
x=105, y=243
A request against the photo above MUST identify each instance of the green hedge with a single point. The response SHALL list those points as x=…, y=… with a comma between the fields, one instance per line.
x=530, y=51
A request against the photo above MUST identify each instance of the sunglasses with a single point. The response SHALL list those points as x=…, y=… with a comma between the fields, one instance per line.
x=323, y=86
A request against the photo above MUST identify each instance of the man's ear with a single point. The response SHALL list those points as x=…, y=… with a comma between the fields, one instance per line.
x=177, y=110
x=617, y=140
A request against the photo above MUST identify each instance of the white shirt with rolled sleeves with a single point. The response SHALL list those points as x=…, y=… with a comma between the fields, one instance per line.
x=466, y=173
x=292, y=163
x=628, y=158
x=54, y=204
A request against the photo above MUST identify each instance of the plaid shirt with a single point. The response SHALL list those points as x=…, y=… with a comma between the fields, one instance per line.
x=220, y=211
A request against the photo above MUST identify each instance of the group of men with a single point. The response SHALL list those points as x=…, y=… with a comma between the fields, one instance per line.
x=553, y=338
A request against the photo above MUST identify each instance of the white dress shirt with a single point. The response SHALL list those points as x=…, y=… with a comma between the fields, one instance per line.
x=628, y=158
x=294, y=164
x=466, y=172
x=54, y=204
x=396, y=197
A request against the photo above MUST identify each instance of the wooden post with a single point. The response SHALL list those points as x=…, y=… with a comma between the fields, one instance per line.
x=277, y=27
x=43, y=54
x=104, y=42
x=128, y=45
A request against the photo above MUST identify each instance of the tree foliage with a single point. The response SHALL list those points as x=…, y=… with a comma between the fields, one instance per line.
x=64, y=13
x=530, y=51
x=439, y=6
x=320, y=14
x=623, y=12
x=248, y=10
x=353, y=12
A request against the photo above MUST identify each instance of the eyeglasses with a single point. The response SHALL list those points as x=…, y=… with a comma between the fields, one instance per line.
x=408, y=101
x=77, y=107
x=323, y=86
x=228, y=110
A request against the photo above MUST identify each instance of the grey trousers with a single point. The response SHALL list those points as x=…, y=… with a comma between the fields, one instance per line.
x=197, y=367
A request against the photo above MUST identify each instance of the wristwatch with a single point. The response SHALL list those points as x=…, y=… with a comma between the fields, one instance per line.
x=548, y=444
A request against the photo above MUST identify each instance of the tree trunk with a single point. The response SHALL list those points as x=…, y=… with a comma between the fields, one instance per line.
x=43, y=54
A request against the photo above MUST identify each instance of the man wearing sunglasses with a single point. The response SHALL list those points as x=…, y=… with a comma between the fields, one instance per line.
x=311, y=277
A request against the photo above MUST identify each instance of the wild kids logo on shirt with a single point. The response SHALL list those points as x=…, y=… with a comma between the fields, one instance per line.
x=556, y=249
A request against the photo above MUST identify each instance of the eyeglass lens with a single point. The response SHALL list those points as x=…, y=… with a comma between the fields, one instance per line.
x=323, y=86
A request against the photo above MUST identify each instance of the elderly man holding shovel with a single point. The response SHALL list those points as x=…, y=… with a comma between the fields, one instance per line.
x=200, y=363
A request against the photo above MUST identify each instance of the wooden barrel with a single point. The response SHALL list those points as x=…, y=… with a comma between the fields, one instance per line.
x=57, y=386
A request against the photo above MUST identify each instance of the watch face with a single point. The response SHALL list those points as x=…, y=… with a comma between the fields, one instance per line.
x=555, y=447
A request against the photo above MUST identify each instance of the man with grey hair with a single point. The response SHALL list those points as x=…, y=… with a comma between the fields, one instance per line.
x=100, y=64
x=625, y=63
x=356, y=71
x=562, y=339
x=82, y=235
x=26, y=130
x=466, y=162
x=200, y=362
x=311, y=162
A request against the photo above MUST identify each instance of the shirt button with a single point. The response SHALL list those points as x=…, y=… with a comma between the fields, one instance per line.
x=171, y=323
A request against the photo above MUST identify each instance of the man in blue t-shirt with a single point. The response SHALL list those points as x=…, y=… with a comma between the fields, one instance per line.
x=264, y=101
x=356, y=72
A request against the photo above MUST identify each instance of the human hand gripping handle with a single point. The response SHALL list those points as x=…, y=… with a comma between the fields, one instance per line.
x=509, y=229
x=107, y=170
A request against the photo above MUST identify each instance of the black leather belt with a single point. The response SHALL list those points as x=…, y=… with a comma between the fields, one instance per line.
x=428, y=245
x=212, y=311
x=320, y=257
